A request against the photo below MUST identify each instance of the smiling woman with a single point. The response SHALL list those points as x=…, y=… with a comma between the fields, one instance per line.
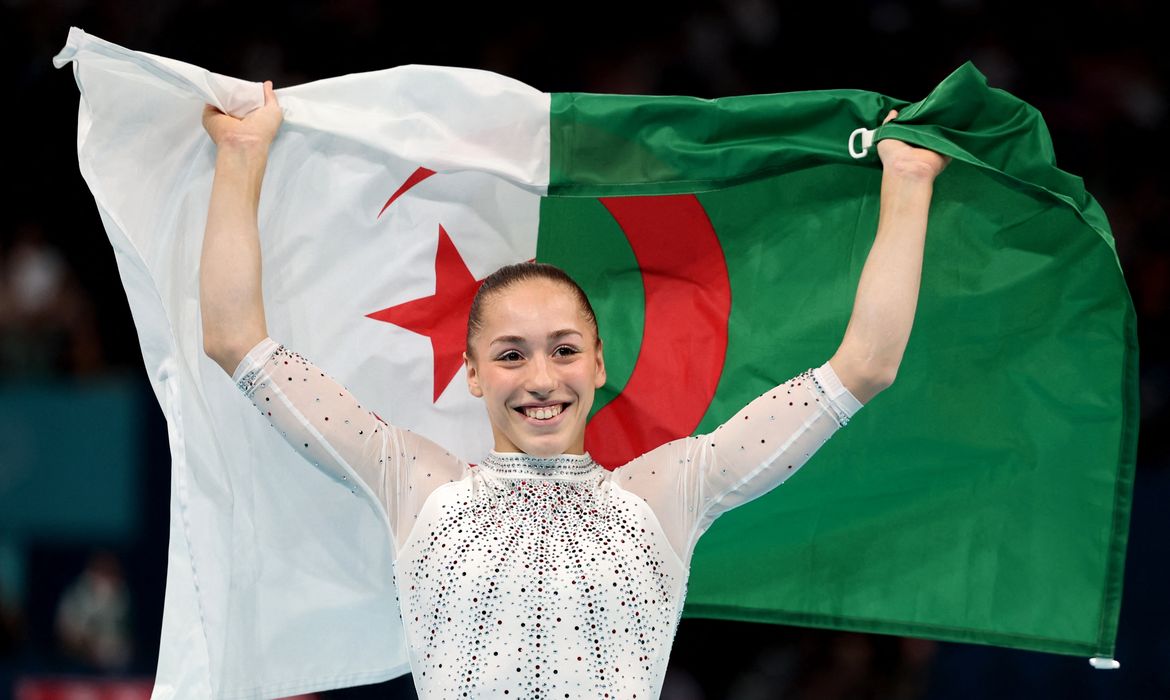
x=539, y=573
x=535, y=358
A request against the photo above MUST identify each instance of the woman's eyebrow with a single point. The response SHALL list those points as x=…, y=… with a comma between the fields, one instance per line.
x=515, y=339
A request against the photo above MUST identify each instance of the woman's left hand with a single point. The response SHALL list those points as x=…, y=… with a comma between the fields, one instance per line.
x=899, y=157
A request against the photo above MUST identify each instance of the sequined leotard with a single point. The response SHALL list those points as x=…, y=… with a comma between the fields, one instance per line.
x=527, y=577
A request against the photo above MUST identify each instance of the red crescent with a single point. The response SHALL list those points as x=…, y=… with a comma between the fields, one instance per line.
x=420, y=173
x=684, y=339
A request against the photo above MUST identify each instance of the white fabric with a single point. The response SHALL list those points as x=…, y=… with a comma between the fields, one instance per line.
x=276, y=583
x=542, y=577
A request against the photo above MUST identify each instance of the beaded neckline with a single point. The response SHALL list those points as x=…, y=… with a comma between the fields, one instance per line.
x=557, y=466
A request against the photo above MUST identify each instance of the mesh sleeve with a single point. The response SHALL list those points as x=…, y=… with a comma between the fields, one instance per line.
x=690, y=482
x=328, y=426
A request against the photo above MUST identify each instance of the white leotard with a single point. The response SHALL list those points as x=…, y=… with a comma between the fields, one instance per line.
x=529, y=577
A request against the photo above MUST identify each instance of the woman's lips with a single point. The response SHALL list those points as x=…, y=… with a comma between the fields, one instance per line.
x=555, y=420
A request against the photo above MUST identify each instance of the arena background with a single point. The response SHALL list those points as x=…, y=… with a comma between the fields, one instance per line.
x=82, y=569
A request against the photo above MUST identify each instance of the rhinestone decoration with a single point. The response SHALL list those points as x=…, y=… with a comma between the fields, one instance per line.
x=537, y=578
x=841, y=416
x=248, y=382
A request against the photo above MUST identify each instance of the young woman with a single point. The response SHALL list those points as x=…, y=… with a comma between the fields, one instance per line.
x=537, y=573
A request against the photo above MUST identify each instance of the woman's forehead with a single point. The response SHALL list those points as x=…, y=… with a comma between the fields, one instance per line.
x=534, y=304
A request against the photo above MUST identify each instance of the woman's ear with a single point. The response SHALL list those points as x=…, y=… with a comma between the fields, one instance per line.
x=599, y=380
x=472, y=377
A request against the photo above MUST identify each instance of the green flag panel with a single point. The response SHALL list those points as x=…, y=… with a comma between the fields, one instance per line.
x=983, y=497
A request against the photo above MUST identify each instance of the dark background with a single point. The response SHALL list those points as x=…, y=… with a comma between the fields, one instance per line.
x=1094, y=69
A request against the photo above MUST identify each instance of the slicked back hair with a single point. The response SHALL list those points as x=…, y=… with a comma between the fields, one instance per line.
x=509, y=275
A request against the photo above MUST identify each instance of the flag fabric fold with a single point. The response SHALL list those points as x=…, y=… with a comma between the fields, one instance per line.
x=984, y=497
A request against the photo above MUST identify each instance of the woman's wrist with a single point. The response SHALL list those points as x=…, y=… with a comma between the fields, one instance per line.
x=243, y=150
x=912, y=171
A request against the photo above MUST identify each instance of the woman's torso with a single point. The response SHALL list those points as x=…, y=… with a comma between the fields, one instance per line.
x=538, y=578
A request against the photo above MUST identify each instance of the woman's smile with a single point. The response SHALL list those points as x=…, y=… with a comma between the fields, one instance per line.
x=546, y=414
x=537, y=368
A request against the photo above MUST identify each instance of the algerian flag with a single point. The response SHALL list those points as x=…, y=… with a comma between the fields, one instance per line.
x=984, y=497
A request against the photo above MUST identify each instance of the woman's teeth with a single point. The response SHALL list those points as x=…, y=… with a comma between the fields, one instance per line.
x=543, y=413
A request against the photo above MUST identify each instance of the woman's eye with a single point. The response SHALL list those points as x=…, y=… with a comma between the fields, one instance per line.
x=565, y=351
x=510, y=356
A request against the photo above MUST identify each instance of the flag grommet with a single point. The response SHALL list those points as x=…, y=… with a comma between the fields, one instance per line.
x=866, y=142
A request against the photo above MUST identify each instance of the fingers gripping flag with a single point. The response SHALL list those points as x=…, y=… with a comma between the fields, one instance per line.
x=984, y=497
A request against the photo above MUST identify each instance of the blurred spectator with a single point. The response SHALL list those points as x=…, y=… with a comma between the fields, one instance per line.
x=47, y=325
x=93, y=617
x=11, y=626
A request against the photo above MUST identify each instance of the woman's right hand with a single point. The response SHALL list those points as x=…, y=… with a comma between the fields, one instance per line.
x=257, y=128
x=900, y=158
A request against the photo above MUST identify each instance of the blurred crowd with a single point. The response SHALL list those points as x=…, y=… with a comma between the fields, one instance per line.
x=47, y=322
x=1096, y=70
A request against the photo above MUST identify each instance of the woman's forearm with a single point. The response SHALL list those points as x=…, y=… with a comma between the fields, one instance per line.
x=887, y=293
x=231, y=299
x=230, y=294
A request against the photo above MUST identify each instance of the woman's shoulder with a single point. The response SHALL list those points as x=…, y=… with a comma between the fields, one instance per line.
x=414, y=447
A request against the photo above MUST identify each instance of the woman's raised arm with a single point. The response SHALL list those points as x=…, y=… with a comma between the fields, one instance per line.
x=230, y=295
x=313, y=412
x=887, y=294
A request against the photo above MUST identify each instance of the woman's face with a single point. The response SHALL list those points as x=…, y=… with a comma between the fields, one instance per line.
x=537, y=365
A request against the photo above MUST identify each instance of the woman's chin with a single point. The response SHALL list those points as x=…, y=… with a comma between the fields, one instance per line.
x=543, y=448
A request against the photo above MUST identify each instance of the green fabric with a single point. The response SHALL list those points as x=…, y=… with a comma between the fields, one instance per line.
x=984, y=497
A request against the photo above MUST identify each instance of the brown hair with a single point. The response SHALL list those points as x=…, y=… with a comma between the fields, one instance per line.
x=509, y=275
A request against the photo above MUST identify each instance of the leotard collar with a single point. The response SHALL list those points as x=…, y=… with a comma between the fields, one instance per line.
x=522, y=464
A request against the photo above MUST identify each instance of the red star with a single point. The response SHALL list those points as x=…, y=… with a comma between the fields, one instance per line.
x=441, y=316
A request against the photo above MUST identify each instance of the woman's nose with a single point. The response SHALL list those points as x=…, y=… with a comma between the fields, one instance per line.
x=541, y=377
